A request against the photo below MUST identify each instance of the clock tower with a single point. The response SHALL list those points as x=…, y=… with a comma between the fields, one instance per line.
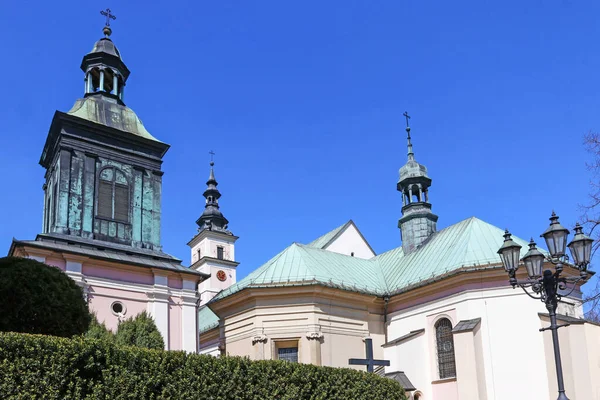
x=213, y=247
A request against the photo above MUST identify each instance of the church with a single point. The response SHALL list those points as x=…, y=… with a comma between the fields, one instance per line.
x=438, y=307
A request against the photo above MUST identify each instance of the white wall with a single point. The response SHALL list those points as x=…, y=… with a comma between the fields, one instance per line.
x=512, y=346
x=208, y=247
x=350, y=241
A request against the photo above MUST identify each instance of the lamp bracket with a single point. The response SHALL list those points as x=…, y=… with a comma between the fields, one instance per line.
x=557, y=326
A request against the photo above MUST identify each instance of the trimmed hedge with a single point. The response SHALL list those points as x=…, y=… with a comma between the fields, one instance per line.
x=35, y=366
x=38, y=298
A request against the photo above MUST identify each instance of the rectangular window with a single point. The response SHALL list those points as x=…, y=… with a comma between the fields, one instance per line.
x=220, y=252
x=105, y=199
x=199, y=254
x=288, y=354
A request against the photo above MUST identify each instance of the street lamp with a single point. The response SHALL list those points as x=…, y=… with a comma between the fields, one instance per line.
x=546, y=285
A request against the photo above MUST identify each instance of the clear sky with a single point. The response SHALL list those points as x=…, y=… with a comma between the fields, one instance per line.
x=302, y=103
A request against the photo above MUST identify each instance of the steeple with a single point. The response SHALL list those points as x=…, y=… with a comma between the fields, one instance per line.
x=417, y=222
x=212, y=219
x=105, y=71
x=103, y=168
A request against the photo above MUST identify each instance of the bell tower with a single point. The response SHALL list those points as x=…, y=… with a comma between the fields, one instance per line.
x=103, y=168
x=213, y=248
x=417, y=223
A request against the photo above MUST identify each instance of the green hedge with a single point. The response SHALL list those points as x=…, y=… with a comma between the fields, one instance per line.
x=36, y=367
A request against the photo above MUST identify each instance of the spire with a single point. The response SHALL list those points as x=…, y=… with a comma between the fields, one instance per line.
x=105, y=71
x=212, y=219
x=411, y=155
x=417, y=223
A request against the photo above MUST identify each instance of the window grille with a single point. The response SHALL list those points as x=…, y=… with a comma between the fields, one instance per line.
x=445, y=348
x=113, y=195
x=288, y=354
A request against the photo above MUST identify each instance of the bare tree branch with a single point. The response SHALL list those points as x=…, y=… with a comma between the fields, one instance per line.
x=590, y=217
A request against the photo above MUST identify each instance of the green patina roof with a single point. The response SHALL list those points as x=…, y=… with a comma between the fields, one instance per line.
x=207, y=320
x=322, y=241
x=469, y=243
x=109, y=112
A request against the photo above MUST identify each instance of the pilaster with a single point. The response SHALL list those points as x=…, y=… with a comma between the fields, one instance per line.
x=159, y=306
x=189, y=315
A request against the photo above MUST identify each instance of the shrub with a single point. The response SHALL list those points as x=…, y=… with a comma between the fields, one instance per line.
x=35, y=366
x=37, y=298
x=98, y=330
x=140, y=331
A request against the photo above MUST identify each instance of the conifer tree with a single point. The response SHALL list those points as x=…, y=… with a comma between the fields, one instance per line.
x=140, y=331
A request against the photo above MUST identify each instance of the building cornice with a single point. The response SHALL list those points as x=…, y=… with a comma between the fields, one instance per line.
x=205, y=259
x=206, y=233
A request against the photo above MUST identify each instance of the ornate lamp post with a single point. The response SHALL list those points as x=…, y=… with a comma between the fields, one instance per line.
x=546, y=286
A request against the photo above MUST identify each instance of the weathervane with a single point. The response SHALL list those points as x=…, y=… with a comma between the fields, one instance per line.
x=108, y=16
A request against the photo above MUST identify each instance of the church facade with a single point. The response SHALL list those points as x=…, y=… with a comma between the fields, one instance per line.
x=439, y=308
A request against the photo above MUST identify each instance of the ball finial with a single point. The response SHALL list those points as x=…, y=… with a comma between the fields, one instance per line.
x=107, y=31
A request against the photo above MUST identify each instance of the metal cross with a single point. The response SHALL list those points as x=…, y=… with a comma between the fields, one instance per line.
x=369, y=361
x=212, y=153
x=407, y=117
x=108, y=16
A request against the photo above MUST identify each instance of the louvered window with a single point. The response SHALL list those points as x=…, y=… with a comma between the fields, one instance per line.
x=445, y=348
x=219, y=252
x=113, y=195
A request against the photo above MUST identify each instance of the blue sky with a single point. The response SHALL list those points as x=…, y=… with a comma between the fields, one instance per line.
x=303, y=102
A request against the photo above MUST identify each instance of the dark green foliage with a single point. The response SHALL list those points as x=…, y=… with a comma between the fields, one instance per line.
x=33, y=366
x=37, y=298
x=140, y=331
x=98, y=331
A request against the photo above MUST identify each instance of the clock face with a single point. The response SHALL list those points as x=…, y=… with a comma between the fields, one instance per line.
x=221, y=275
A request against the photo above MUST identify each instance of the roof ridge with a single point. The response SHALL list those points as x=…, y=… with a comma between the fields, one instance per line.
x=329, y=236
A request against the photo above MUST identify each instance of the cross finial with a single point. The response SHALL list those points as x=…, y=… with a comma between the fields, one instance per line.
x=411, y=155
x=212, y=153
x=407, y=117
x=108, y=16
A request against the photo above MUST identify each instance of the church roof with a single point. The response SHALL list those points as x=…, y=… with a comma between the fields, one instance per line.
x=102, y=250
x=471, y=243
x=468, y=243
x=322, y=241
x=207, y=320
x=106, y=111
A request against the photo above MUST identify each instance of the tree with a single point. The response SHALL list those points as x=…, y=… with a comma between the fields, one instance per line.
x=140, y=331
x=590, y=218
x=98, y=330
x=38, y=298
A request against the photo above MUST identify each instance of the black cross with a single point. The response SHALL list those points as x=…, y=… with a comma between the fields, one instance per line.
x=369, y=361
x=407, y=117
x=108, y=16
x=212, y=153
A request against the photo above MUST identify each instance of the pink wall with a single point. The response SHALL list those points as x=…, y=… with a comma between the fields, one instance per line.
x=100, y=301
x=175, y=282
x=175, y=323
x=119, y=274
x=57, y=262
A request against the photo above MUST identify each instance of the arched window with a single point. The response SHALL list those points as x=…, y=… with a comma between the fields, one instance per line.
x=445, y=348
x=113, y=195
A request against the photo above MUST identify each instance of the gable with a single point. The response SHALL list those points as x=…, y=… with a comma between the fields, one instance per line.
x=345, y=239
x=351, y=243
